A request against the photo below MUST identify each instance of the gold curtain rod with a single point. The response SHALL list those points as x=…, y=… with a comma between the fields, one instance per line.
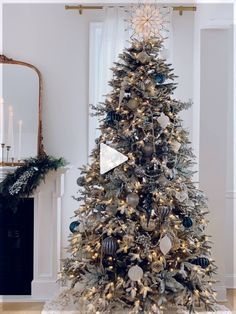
x=81, y=8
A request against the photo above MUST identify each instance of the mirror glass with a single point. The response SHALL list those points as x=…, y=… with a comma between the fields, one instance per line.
x=19, y=111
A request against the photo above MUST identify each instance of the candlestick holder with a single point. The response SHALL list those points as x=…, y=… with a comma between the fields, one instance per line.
x=9, y=162
x=8, y=150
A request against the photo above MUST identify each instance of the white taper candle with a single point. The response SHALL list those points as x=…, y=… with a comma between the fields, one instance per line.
x=1, y=121
x=20, y=140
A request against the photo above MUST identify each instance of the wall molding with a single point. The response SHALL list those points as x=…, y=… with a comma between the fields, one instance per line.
x=230, y=194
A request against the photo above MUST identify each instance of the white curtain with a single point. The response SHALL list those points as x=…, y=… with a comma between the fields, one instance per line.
x=167, y=33
x=111, y=40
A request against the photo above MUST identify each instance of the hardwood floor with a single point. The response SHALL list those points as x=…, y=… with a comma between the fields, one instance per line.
x=21, y=308
x=36, y=308
x=231, y=304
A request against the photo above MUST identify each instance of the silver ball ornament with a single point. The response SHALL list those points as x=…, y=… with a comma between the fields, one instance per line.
x=132, y=199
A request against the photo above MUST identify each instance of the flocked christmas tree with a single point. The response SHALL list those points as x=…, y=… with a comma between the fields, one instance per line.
x=139, y=242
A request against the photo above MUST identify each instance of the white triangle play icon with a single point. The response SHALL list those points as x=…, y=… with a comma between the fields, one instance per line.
x=110, y=158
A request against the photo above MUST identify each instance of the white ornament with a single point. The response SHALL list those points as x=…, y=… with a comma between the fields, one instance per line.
x=175, y=146
x=163, y=120
x=81, y=227
x=165, y=244
x=181, y=196
x=135, y=273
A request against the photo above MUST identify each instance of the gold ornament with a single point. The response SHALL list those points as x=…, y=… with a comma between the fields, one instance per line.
x=157, y=267
x=148, y=226
x=175, y=244
x=143, y=57
x=132, y=104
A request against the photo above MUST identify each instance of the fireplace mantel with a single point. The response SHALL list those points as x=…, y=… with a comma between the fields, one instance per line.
x=47, y=234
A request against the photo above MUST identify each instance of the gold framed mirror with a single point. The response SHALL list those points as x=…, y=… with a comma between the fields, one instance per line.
x=21, y=93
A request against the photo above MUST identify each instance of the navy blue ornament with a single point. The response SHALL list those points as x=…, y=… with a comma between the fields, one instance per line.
x=159, y=78
x=112, y=117
x=109, y=246
x=74, y=226
x=187, y=222
x=201, y=261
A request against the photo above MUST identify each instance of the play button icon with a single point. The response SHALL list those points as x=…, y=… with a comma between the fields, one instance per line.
x=110, y=158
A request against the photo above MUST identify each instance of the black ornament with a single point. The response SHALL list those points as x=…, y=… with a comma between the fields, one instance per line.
x=162, y=150
x=81, y=181
x=187, y=222
x=201, y=261
x=74, y=226
x=100, y=207
x=159, y=78
x=109, y=246
x=176, y=211
x=112, y=117
x=171, y=164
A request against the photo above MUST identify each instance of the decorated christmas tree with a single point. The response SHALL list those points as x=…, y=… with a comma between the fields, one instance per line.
x=138, y=243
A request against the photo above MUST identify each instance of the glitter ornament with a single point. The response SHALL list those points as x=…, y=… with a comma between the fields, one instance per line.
x=132, y=104
x=148, y=225
x=157, y=267
x=135, y=273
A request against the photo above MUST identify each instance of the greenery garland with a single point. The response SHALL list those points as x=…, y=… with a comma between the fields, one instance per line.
x=26, y=178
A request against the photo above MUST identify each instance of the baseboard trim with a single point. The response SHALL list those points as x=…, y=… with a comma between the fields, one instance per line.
x=44, y=289
x=230, y=281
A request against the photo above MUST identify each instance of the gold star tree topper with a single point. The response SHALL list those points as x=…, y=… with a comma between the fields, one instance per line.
x=149, y=20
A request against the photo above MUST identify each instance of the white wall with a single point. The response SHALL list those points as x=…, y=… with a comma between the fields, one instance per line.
x=183, y=37
x=56, y=41
x=216, y=16
x=213, y=136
